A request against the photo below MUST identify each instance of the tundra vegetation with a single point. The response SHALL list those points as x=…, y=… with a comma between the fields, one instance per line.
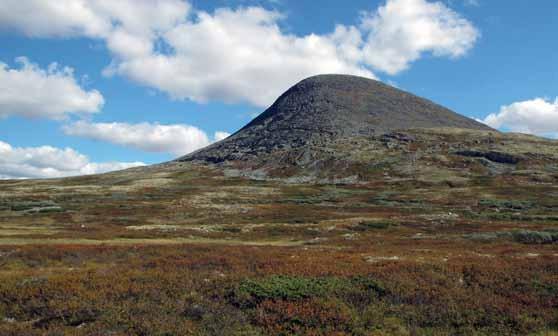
x=451, y=243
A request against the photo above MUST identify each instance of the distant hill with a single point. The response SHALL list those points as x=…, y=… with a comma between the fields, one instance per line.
x=325, y=108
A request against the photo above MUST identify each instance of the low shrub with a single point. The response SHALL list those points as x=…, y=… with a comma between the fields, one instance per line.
x=251, y=292
x=30, y=205
x=373, y=225
x=521, y=236
x=535, y=237
x=506, y=204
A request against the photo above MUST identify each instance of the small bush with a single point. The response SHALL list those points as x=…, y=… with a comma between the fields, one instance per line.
x=522, y=236
x=231, y=229
x=251, y=292
x=372, y=225
x=506, y=204
x=34, y=207
x=535, y=237
x=29, y=205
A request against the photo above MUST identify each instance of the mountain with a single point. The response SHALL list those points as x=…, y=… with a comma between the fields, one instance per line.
x=326, y=108
x=308, y=123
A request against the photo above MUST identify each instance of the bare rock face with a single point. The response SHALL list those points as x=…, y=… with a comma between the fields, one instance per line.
x=325, y=109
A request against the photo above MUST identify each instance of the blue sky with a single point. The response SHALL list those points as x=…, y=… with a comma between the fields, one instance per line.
x=154, y=79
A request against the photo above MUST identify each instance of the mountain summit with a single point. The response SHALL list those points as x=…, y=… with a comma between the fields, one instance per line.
x=323, y=109
x=350, y=105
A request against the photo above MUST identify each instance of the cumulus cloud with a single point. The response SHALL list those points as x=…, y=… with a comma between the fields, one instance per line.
x=537, y=116
x=50, y=162
x=30, y=91
x=174, y=139
x=401, y=30
x=91, y=18
x=242, y=54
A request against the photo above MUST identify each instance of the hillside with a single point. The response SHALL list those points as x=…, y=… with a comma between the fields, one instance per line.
x=336, y=128
x=326, y=109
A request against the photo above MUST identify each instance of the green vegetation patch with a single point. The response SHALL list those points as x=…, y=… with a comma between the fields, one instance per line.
x=520, y=236
x=373, y=225
x=31, y=206
x=392, y=199
x=282, y=287
x=330, y=194
x=506, y=204
x=535, y=237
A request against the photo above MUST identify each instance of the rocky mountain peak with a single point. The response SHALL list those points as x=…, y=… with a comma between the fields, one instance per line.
x=326, y=108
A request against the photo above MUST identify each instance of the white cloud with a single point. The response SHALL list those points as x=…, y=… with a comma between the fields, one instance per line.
x=402, y=30
x=221, y=136
x=174, y=139
x=242, y=54
x=91, y=18
x=49, y=162
x=536, y=116
x=30, y=91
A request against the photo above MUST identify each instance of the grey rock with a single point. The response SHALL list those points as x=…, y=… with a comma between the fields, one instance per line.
x=493, y=156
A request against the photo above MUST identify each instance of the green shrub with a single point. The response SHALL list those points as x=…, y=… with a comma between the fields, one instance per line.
x=231, y=229
x=506, y=204
x=522, y=236
x=535, y=237
x=280, y=287
x=372, y=225
x=35, y=206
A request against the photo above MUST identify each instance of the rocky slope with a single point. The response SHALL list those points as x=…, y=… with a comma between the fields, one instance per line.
x=324, y=109
x=345, y=128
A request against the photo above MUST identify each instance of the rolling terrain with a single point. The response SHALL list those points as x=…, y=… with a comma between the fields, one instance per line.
x=347, y=208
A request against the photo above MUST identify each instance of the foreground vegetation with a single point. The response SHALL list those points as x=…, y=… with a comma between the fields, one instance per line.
x=185, y=249
x=213, y=290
